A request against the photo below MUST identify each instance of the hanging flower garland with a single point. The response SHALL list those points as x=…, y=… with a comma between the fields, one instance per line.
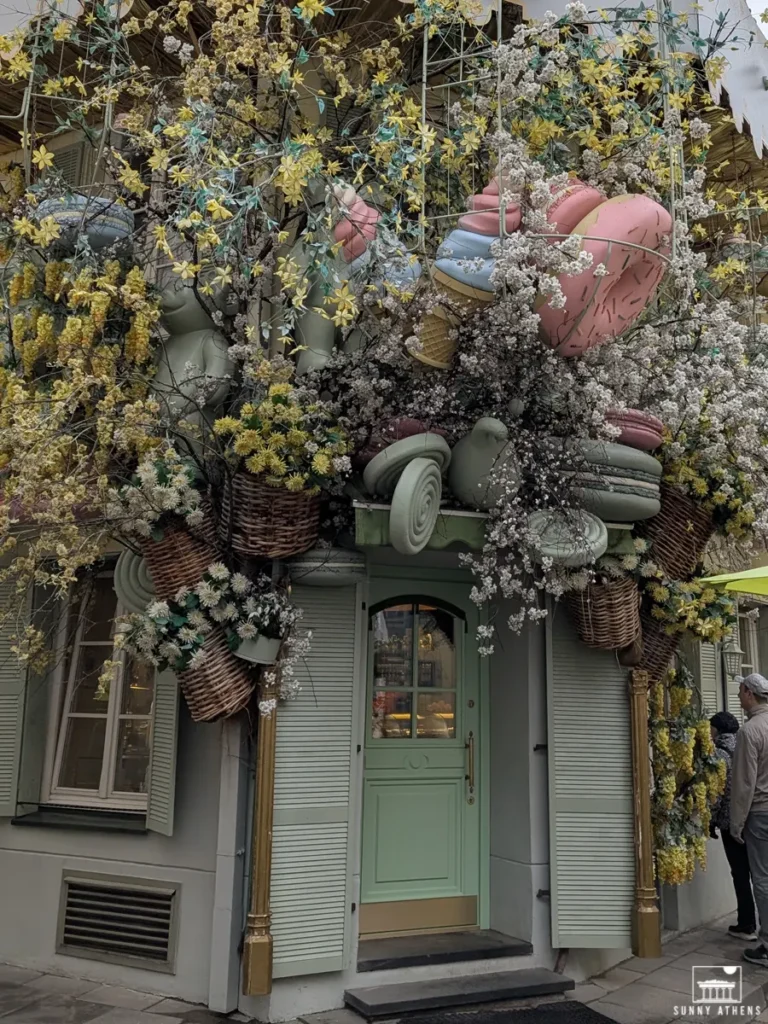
x=688, y=778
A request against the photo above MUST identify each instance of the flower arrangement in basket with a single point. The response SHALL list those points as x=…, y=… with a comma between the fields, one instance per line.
x=705, y=490
x=256, y=616
x=286, y=448
x=705, y=611
x=604, y=601
x=674, y=607
x=163, y=507
x=688, y=778
x=185, y=635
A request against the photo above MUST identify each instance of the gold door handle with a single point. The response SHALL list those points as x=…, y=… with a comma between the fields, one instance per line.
x=470, y=776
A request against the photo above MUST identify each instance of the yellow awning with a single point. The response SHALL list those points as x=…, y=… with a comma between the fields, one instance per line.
x=750, y=581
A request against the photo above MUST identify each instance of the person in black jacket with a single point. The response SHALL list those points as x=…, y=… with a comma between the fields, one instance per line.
x=724, y=728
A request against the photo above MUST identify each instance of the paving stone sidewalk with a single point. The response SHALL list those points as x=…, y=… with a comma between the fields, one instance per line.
x=29, y=997
x=647, y=991
x=635, y=992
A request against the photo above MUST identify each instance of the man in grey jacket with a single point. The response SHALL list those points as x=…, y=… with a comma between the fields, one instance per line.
x=749, y=799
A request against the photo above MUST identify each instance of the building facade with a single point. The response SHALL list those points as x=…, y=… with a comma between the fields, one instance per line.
x=419, y=788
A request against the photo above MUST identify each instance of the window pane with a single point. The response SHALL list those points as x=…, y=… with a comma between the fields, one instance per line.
x=132, y=756
x=88, y=696
x=436, y=716
x=437, y=651
x=138, y=688
x=100, y=609
x=83, y=753
x=393, y=646
x=391, y=717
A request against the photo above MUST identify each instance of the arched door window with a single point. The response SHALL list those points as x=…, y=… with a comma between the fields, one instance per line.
x=415, y=668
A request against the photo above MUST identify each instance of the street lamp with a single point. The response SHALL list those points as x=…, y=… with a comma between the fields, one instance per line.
x=732, y=657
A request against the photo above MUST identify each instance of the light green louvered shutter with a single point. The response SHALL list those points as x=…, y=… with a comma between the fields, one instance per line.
x=14, y=615
x=310, y=895
x=706, y=663
x=162, y=766
x=592, y=852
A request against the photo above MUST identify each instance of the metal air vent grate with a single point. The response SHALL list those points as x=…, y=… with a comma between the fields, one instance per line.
x=127, y=921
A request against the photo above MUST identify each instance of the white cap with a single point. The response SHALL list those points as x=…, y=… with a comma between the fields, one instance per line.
x=756, y=683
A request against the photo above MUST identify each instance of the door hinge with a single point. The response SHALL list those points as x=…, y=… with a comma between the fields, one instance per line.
x=364, y=605
x=538, y=747
x=543, y=894
x=354, y=907
x=359, y=748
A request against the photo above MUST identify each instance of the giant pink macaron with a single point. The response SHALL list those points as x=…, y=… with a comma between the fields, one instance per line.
x=638, y=429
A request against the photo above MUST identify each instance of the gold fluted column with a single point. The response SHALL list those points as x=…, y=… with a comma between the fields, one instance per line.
x=257, y=950
x=646, y=920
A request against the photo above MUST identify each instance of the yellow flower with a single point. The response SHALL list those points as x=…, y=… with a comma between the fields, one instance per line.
x=42, y=158
x=295, y=482
x=186, y=270
x=310, y=8
x=217, y=210
x=247, y=442
x=226, y=425
x=321, y=464
x=256, y=464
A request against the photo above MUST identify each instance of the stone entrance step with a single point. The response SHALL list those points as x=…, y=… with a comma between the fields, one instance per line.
x=441, y=948
x=443, y=993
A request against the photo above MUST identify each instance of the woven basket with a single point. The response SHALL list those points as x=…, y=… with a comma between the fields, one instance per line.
x=221, y=686
x=606, y=615
x=178, y=560
x=659, y=647
x=679, y=533
x=268, y=522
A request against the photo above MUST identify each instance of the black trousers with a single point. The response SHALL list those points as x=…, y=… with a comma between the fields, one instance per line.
x=739, y=865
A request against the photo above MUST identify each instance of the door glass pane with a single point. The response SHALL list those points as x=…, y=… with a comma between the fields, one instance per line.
x=88, y=696
x=436, y=716
x=132, y=756
x=138, y=687
x=83, y=753
x=391, y=715
x=393, y=646
x=100, y=608
x=437, y=651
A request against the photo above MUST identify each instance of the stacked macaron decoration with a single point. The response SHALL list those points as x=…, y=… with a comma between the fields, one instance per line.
x=615, y=482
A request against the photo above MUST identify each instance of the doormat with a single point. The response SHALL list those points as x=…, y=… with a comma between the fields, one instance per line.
x=568, y=1012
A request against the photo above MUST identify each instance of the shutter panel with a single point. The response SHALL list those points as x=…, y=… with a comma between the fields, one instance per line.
x=162, y=766
x=68, y=162
x=592, y=849
x=309, y=895
x=709, y=677
x=13, y=682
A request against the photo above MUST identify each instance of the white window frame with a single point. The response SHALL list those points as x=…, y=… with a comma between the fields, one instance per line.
x=105, y=798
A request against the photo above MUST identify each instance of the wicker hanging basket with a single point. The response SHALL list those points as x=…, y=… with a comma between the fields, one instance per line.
x=679, y=533
x=221, y=686
x=268, y=522
x=659, y=647
x=179, y=559
x=606, y=615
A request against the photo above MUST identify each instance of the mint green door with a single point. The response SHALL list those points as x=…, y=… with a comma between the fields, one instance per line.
x=420, y=862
